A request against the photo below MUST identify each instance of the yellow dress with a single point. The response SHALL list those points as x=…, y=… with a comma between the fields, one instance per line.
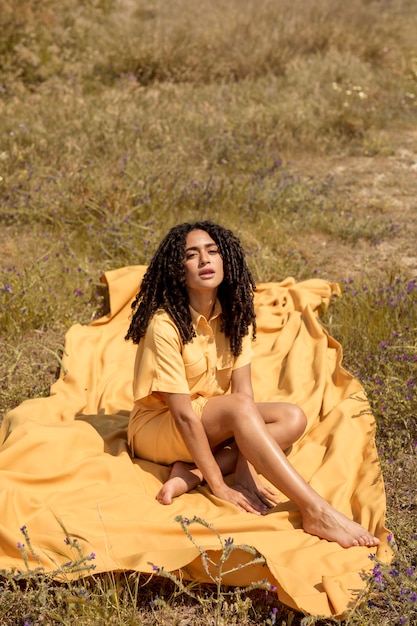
x=164, y=364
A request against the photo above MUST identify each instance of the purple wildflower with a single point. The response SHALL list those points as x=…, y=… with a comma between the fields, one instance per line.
x=377, y=574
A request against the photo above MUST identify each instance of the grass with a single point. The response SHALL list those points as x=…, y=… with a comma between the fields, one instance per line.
x=119, y=119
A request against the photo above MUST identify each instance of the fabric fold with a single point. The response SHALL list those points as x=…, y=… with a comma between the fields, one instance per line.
x=65, y=462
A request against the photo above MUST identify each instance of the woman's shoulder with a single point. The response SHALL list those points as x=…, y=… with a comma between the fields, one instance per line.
x=162, y=323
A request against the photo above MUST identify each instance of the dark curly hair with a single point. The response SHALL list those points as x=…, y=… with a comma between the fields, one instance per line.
x=163, y=286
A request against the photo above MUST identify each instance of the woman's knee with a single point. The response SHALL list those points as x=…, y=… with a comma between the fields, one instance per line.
x=297, y=422
x=224, y=415
x=243, y=407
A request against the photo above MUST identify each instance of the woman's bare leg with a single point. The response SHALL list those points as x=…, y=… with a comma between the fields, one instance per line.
x=286, y=423
x=186, y=476
x=183, y=477
x=236, y=415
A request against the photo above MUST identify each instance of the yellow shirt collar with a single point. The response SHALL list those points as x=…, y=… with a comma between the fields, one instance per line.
x=195, y=316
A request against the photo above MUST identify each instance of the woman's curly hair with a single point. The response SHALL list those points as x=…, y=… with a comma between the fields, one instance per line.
x=163, y=286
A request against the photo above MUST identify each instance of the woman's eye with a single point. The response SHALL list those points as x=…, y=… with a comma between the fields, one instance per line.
x=213, y=251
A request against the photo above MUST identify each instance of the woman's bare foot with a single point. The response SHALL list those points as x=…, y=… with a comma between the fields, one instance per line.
x=183, y=478
x=327, y=523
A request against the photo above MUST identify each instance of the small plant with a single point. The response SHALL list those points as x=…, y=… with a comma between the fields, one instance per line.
x=393, y=587
x=216, y=569
x=32, y=594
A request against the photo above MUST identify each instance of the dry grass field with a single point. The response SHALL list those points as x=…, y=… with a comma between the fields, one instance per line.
x=291, y=122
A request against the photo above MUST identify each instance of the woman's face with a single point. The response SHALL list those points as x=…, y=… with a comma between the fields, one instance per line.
x=202, y=262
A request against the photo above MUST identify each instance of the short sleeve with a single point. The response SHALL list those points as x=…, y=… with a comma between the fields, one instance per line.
x=159, y=365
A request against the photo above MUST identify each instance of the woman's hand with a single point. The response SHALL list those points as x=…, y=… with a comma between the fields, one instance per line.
x=262, y=498
x=243, y=499
x=248, y=483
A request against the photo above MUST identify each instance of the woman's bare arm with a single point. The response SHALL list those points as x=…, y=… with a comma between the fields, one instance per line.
x=241, y=381
x=194, y=437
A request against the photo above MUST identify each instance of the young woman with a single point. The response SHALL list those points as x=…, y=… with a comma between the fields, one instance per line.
x=193, y=322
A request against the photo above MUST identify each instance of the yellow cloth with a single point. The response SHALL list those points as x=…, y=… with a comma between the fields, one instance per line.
x=66, y=457
x=163, y=363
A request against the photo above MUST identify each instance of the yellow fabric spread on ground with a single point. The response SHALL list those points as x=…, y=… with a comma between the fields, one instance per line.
x=66, y=458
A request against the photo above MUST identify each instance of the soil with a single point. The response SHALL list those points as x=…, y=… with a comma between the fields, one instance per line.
x=384, y=182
